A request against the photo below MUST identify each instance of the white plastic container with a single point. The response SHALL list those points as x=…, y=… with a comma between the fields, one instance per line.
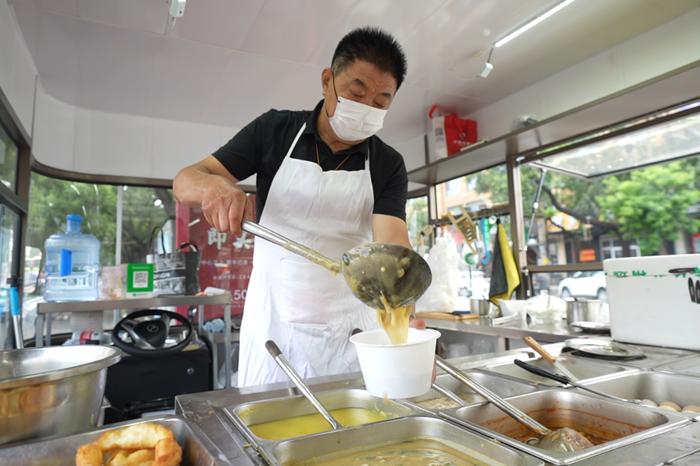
x=655, y=300
x=396, y=371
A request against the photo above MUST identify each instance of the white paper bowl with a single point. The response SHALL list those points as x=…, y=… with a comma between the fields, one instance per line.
x=396, y=371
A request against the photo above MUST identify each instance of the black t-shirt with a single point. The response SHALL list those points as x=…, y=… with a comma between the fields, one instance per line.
x=260, y=147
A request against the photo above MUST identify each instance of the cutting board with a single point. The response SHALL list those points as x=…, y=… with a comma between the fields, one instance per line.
x=446, y=315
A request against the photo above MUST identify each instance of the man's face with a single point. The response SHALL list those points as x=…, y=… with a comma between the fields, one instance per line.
x=360, y=81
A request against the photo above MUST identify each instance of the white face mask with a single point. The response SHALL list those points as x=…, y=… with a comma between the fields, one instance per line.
x=353, y=121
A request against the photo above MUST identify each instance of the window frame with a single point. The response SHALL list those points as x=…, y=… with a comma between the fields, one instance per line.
x=17, y=200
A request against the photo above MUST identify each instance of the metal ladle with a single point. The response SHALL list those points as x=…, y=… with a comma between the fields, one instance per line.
x=281, y=361
x=372, y=270
x=564, y=439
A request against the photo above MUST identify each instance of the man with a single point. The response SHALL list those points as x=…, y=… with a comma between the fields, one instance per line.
x=324, y=180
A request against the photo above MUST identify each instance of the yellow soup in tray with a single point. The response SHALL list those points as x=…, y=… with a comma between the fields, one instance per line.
x=415, y=452
x=314, y=423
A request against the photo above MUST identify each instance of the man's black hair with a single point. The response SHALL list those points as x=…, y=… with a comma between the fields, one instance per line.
x=374, y=46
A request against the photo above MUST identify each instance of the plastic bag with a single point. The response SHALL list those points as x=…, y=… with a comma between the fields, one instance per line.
x=443, y=260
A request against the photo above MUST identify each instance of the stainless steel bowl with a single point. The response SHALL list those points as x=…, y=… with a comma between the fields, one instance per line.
x=50, y=391
x=586, y=310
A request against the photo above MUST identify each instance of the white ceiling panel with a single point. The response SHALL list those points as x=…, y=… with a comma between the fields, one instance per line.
x=294, y=29
x=227, y=28
x=227, y=61
x=67, y=7
x=398, y=18
x=142, y=15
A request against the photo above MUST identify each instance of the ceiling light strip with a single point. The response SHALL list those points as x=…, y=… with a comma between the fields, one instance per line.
x=533, y=22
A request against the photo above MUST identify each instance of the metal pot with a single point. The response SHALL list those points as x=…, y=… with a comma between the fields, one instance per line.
x=484, y=307
x=586, y=310
x=50, y=391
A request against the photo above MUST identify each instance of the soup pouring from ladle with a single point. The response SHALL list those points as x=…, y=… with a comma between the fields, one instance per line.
x=377, y=273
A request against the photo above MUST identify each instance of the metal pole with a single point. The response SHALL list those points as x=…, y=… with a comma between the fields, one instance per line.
x=116, y=314
x=517, y=220
x=227, y=345
x=39, y=330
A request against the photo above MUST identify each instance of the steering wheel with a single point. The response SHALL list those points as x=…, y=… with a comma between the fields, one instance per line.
x=147, y=333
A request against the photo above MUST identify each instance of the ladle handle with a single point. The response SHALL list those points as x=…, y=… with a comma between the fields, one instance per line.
x=292, y=246
x=449, y=394
x=281, y=361
x=503, y=405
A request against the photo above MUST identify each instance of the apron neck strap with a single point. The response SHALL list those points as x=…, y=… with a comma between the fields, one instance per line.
x=296, y=139
x=301, y=131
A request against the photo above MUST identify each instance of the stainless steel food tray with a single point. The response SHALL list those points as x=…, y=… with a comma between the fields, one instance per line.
x=582, y=368
x=418, y=427
x=256, y=412
x=502, y=386
x=655, y=356
x=478, y=361
x=656, y=386
x=689, y=366
x=197, y=450
x=558, y=408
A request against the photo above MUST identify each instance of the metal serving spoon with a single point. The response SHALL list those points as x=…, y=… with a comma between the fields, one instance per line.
x=564, y=439
x=372, y=270
x=281, y=361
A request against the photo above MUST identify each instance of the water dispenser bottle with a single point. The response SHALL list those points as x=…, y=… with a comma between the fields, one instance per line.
x=72, y=264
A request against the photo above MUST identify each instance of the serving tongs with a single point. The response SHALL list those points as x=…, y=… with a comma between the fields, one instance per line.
x=564, y=380
x=564, y=439
x=375, y=272
x=549, y=357
x=284, y=364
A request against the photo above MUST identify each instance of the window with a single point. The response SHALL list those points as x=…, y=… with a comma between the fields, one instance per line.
x=647, y=211
x=8, y=160
x=51, y=199
x=478, y=191
x=417, y=220
x=454, y=187
x=661, y=142
x=146, y=209
x=9, y=226
x=635, y=194
x=611, y=248
x=474, y=193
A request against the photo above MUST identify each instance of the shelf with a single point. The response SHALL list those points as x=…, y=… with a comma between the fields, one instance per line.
x=475, y=158
x=671, y=88
x=132, y=303
x=577, y=267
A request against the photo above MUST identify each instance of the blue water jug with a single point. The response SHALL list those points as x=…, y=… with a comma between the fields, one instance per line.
x=72, y=264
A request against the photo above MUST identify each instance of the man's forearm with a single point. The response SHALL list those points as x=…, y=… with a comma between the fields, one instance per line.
x=190, y=185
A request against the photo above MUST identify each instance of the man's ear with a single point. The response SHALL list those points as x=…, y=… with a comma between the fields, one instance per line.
x=326, y=82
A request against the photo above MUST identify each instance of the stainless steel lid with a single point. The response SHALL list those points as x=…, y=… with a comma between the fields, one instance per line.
x=37, y=365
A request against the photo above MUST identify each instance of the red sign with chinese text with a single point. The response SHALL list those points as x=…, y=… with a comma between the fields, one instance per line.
x=226, y=262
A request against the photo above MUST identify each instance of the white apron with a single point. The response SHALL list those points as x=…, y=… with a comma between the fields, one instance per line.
x=304, y=308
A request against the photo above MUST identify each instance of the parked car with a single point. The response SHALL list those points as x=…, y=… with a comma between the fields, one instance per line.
x=584, y=285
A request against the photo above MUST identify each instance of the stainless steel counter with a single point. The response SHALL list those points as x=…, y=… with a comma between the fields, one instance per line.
x=548, y=333
x=207, y=409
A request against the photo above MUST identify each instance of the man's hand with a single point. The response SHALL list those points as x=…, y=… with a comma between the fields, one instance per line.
x=209, y=185
x=225, y=206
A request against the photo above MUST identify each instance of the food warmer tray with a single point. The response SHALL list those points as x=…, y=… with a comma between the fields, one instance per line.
x=561, y=407
x=197, y=450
